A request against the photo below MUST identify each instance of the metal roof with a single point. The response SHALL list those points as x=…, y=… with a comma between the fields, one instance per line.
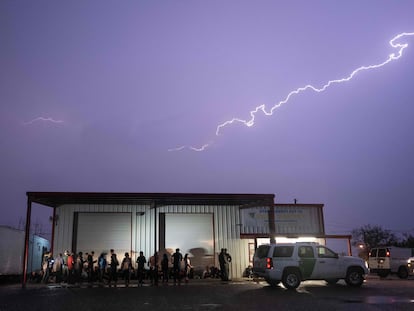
x=56, y=199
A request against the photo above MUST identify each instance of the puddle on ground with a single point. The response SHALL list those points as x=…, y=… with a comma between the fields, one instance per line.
x=384, y=300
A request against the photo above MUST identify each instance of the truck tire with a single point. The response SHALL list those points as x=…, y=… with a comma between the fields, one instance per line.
x=291, y=279
x=354, y=277
x=402, y=273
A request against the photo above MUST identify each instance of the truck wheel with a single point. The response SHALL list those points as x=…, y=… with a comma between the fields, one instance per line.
x=402, y=273
x=354, y=277
x=291, y=279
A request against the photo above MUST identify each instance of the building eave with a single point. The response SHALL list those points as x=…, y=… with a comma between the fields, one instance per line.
x=56, y=199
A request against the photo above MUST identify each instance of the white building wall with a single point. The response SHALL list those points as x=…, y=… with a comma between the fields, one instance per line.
x=226, y=220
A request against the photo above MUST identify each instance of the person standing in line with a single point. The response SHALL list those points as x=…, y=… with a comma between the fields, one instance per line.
x=177, y=257
x=227, y=264
x=79, y=267
x=65, y=266
x=90, y=269
x=153, y=263
x=141, y=261
x=164, y=268
x=71, y=266
x=113, y=274
x=57, y=268
x=222, y=262
x=102, y=267
x=187, y=267
x=126, y=267
x=45, y=267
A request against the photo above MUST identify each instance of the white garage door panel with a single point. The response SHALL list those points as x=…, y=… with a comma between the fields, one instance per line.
x=100, y=232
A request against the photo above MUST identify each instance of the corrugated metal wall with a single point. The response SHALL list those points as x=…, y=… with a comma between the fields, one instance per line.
x=226, y=220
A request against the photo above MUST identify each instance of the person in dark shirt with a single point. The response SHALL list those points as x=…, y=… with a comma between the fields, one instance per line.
x=141, y=261
x=113, y=276
x=177, y=257
x=90, y=266
x=222, y=261
x=164, y=268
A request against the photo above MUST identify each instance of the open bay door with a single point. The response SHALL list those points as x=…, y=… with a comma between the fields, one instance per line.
x=100, y=232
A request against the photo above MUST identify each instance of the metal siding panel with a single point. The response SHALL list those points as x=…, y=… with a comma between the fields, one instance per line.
x=134, y=234
x=103, y=231
x=63, y=238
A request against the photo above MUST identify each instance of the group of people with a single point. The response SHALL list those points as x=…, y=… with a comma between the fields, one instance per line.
x=181, y=267
x=69, y=267
x=74, y=268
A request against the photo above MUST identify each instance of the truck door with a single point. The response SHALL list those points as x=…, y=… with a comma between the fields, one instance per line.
x=328, y=265
x=306, y=261
x=372, y=259
x=383, y=259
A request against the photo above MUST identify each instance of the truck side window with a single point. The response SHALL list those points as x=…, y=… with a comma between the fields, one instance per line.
x=262, y=251
x=283, y=251
x=324, y=252
x=306, y=252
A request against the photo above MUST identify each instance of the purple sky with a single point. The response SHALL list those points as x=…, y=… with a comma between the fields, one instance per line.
x=131, y=79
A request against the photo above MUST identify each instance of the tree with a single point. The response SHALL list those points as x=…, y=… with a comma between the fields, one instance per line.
x=407, y=241
x=372, y=236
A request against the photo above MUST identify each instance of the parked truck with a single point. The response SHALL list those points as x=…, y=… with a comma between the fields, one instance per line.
x=391, y=260
x=12, y=252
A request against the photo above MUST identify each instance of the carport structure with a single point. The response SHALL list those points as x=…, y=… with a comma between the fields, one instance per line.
x=148, y=208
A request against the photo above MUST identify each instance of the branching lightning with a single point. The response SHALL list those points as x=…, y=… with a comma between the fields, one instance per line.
x=42, y=119
x=400, y=47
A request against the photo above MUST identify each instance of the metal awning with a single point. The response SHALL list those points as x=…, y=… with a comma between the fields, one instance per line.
x=56, y=199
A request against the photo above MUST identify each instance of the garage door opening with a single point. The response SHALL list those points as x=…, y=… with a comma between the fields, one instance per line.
x=192, y=234
x=100, y=232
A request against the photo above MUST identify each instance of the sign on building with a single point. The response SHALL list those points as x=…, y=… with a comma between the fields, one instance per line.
x=282, y=219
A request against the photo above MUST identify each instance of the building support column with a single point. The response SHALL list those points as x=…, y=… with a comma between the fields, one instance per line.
x=54, y=220
x=26, y=241
x=272, y=224
x=349, y=246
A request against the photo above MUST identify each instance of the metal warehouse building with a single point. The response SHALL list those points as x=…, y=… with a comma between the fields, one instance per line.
x=198, y=224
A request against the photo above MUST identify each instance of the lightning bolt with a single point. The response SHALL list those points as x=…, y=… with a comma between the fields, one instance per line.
x=42, y=119
x=400, y=47
x=202, y=148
